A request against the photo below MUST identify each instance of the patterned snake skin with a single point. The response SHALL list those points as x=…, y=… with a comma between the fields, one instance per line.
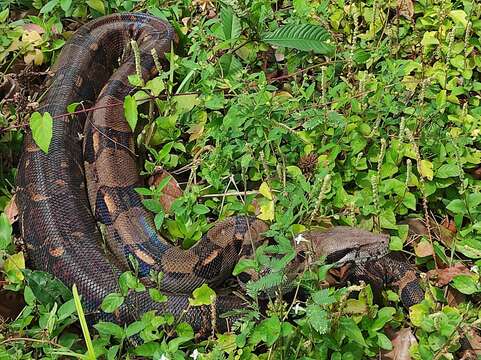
x=59, y=227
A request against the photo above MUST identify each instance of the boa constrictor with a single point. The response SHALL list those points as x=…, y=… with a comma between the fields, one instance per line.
x=59, y=213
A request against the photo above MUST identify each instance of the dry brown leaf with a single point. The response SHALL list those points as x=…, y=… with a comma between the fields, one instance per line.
x=454, y=297
x=401, y=342
x=33, y=27
x=406, y=8
x=170, y=192
x=449, y=224
x=442, y=277
x=11, y=210
x=474, y=339
x=424, y=248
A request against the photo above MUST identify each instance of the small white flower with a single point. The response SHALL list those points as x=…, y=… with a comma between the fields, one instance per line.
x=195, y=354
x=163, y=357
x=297, y=308
x=299, y=238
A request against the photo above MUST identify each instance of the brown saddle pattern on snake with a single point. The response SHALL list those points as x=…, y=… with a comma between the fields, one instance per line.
x=57, y=223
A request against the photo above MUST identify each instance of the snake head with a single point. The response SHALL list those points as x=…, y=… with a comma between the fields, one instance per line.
x=342, y=244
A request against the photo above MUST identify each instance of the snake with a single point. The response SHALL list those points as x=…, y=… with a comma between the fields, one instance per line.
x=82, y=219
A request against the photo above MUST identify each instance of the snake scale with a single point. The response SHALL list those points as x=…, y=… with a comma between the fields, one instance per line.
x=89, y=175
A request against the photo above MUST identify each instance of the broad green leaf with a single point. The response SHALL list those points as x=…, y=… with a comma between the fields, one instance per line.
x=270, y=329
x=159, y=219
x=318, y=318
x=384, y=342
x=134, y=328
x=457, y=206
x=112, y=302
x=153, y=205
x=417, y=313
x=230, y=24
x=267, y=209
x=185, y=103
x=265, y=191
x=130, y=111
x=157, y=296
x=200, y=209
x=48, y=7
x=429, y=38
x=5, y=232
x=66, y=309
x=305, y=37
x=97, y=5
x=72, y=107
x=108, y=328
x=203, y=295
x=447, y=170
x=156, y=85
x=29, y=296
x=4, y=15
x=41, y=130
x=466, y=284
x=243, y=265
x=349, y=327
x=14, y=264
x=426, y=169
x=459, y=16
x=65, y=4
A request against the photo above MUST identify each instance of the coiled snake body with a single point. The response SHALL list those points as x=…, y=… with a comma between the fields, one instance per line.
x=58, y=225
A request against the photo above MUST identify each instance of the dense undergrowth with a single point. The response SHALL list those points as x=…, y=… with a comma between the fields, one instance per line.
x=304, y=113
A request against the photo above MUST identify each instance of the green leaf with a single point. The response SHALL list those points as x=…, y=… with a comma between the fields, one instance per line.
x=270, y=329
x=130, y=111
x=14, y=265
x=156, y=85
x=305, y=37
x=48, y=7
x=231, y=24
x=185, y=103
x=352, y=331
x=318, y=318
x=447, y=170
x=72, y=107
x=466, y=284
x=65, y=5
x=457, y=206
x=5, y=232
x=159, y=219
x=128, y=281
x=41, y=130
x=66, y=309
x=29, y=296
x=203, y=295
x=200, y=209
x=153, y=205
x=384, y=315
x=4, y=15
x=157, y=296
x=243, y=265
x=426, y=169
x=134, y=328
x=111, y=302
x=97, y=5
x=459, y=16
x=108, y=328
x=429, y=38
x=383, y=341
